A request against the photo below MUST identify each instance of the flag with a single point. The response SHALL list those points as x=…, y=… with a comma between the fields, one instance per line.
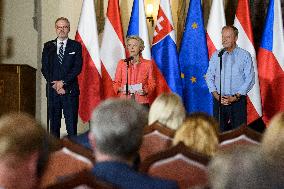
x=90, y=76
x=164, y=52
x=194, y=62
x=215, y=24
x=270, y=61
x=245, y=41
x=112, y=48
x=138, y=26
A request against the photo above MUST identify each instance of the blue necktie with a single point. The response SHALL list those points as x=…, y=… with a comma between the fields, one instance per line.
x=61, y=53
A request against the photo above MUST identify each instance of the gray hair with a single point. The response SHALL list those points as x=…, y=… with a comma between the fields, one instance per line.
x=117, y=125
x=233, y=28
x=62, y=18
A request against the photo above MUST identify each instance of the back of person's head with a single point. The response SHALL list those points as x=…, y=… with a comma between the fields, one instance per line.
x=199, y=133
x=273, y=138
x=21, y=139
x=167, y=109
x=117, y=126
x=243, y=167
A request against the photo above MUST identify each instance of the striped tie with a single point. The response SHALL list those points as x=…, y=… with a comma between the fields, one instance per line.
x=61, y=53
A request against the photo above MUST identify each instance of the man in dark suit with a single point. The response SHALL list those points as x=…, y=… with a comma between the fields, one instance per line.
x=61, y=64
x=115, y=136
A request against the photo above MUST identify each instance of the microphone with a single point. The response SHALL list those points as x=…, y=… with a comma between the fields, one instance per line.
x=128, y=59
x=221, y=52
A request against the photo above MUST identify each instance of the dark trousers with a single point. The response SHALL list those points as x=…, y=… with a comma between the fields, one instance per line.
x=70, y=105
x=232, y=116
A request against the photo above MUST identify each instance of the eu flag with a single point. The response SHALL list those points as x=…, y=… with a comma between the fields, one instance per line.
x=193, y=58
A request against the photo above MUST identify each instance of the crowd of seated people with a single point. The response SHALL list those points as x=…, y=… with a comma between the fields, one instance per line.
x=31, y=158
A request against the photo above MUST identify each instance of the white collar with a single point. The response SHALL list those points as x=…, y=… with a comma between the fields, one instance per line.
x=58, y=41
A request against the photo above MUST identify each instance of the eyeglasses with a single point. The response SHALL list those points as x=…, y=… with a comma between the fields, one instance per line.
x=62, y=27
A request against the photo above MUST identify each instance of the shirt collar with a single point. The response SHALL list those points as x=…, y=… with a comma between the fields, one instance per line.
x=234, y=50
x=59, y=41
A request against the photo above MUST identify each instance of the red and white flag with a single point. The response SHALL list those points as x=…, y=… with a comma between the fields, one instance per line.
x=89, y=78
x=270, y=61
x=245, y=41
x=112, y=48
x=215, y=24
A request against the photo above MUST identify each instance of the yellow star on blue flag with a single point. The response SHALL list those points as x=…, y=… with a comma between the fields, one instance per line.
x=193, y=79
x=194, y=25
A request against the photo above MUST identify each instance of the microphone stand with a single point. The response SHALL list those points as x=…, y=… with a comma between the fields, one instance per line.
x=220, y=85
x=126, y=84
x=50, y=58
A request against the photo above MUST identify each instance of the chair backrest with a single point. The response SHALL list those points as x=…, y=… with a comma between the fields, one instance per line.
x=81, y=180
x=79, y=149
x=63, y=163
x=178, y=163
x=156, y=138
x=239, y=136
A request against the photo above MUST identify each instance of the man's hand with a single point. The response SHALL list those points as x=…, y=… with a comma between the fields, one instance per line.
x=57, y=85
x=227, y=100
x=216, y=95
x=61, y=91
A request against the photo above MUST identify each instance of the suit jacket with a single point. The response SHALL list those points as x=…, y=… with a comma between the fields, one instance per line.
x=123, y=176
x=68, y=71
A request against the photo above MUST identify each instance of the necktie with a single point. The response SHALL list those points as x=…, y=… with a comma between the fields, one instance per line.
x=61, y=53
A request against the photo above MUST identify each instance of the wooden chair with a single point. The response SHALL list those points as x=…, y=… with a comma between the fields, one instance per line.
x=79, y=149
x=81, y=180
x=239, y=136
x=178, y=163
x=67, y=160
x=156, y=138
x=63, y=163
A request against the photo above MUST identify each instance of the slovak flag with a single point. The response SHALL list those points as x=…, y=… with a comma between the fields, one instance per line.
x=270, y=61
x=138, y=26
x=164, y=52
x=245, y=41
x=90, y=82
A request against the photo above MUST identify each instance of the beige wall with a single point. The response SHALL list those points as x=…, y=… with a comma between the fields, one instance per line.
x=18, y=26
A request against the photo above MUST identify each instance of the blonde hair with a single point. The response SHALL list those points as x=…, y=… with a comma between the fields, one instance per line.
x=168, y=110
x=20, y=136
x=273, y=138
x=199, y=133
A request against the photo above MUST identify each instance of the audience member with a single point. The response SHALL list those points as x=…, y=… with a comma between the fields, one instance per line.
x=199, y=133
x=167, y=109
x=116, y=135
x=273, y=138
x=23, y=152
x=244, y=167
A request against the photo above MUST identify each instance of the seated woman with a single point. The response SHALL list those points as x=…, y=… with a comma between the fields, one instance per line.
x=199, y=133
x=168, y=110
x=137, y=71
x=273, y=139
